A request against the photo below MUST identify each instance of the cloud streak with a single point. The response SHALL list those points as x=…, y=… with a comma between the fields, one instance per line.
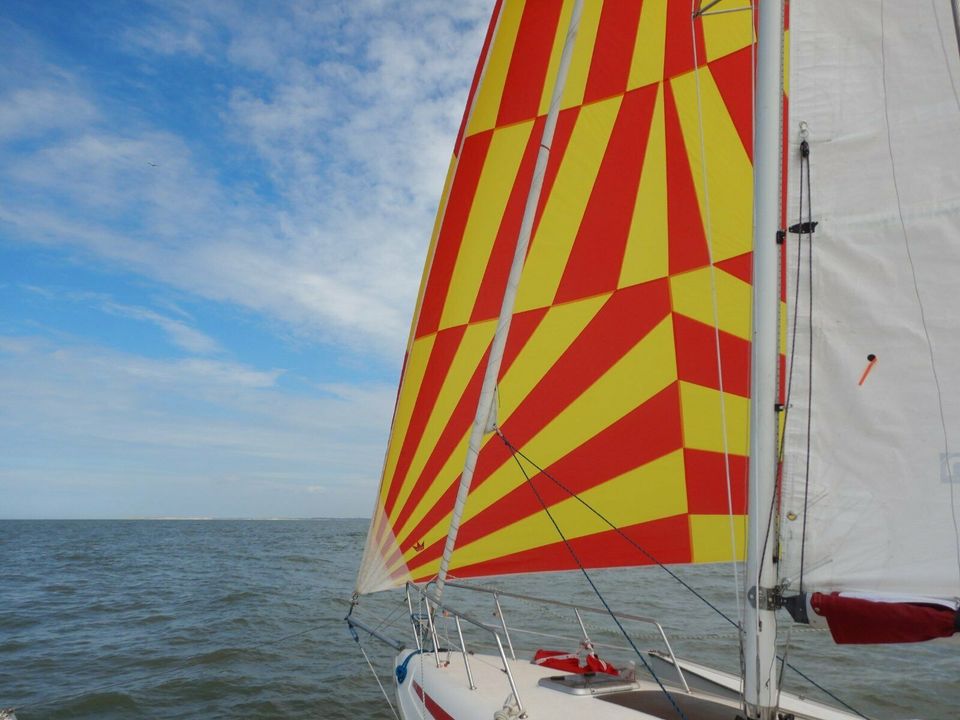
x=278, y=163
x=350, y=110
x=113, y=421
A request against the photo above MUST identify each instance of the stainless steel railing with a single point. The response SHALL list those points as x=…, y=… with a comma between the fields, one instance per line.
x=459, y=616
x=577, y=608
x=502, y=634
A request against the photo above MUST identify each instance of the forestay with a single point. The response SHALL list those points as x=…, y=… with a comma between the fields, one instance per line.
x=638, y=270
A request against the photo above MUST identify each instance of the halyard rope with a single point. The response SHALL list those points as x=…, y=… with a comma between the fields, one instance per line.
x=708, y=231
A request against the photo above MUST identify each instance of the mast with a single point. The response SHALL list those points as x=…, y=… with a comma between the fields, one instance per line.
x=485, y=420
x=759, y=622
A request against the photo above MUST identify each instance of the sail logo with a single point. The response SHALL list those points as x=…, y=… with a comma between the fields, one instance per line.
x=950, y=467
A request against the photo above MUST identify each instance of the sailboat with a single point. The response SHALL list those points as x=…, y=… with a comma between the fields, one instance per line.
x=689, y=299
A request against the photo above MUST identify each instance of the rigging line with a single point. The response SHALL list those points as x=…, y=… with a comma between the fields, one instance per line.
x=516, y=453
x=916, y=289
x=770, y=516
x=390, y=619
x=708, y=226
x=804, y=170
x=783, y=663
x=826, y=692
x=596, y=590
x=519, y=453
x=793, y=334
x=377, y=677
x=793, y=329
x=943, y=44
x=184, y=664
x=955, y=8
x=698, y=11
x=805, y=165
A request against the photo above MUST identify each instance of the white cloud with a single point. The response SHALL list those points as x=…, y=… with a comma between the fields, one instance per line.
x=181, y=32
x=194, y=433
x=179, y=332
x=350, y=107
x=302, y=191
x=29, y=112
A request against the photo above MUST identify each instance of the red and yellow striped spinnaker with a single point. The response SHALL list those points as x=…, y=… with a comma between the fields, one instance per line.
x=638, y=270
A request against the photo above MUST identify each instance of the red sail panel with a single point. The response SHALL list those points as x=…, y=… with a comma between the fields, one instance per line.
x=528, y=64
x=595, y=267
x=451, y=232
x=613, y=50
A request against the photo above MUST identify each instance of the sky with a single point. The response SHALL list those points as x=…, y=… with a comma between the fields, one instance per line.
x=213, y=220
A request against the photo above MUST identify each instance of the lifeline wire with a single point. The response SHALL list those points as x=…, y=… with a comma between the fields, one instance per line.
x=596, y=590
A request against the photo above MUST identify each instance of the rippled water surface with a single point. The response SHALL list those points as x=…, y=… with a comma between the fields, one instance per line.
x=237, y=619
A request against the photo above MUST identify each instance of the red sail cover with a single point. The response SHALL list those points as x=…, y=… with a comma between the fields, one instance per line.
x=861, y=622
x=571, y=662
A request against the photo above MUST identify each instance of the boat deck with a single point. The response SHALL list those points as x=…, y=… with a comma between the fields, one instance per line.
x=658, y=705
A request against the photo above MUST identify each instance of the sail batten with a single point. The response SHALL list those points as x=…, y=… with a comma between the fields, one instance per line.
x=610, y=379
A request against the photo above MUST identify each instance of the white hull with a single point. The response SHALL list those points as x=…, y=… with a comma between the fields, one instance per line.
x=443, y=692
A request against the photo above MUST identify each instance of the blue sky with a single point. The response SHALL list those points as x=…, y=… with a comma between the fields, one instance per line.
x=213, y=219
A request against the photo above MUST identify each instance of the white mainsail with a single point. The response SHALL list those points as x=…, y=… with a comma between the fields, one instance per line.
x=877, y=85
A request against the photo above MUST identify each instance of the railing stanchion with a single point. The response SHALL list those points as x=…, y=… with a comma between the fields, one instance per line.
x=673, y=657
x=513, y=685
x=503, y=624
x=463, y=650
x=415, y=625
x=433, y=631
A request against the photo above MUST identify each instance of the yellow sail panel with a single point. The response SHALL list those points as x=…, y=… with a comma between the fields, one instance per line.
x=646, y=256
x=693, y=296
x=723, y=173
x=582, y=54
x=711, y=537
x=610, y=385
x=552, y=336
x=646, y=66
x=704, y=412
x=612, y=396
x=462, y=368
x=484, y=114
x=414, y=371
x=493, y=191
x=728, y=29
x=570, y=194
x=650, y=492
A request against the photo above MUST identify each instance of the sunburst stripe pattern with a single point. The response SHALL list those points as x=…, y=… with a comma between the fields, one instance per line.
x=610, y=380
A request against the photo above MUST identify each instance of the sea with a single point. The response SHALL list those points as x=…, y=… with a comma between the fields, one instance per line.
x=244, y=619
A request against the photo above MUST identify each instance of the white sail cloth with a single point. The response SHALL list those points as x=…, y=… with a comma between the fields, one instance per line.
x=878, y=86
